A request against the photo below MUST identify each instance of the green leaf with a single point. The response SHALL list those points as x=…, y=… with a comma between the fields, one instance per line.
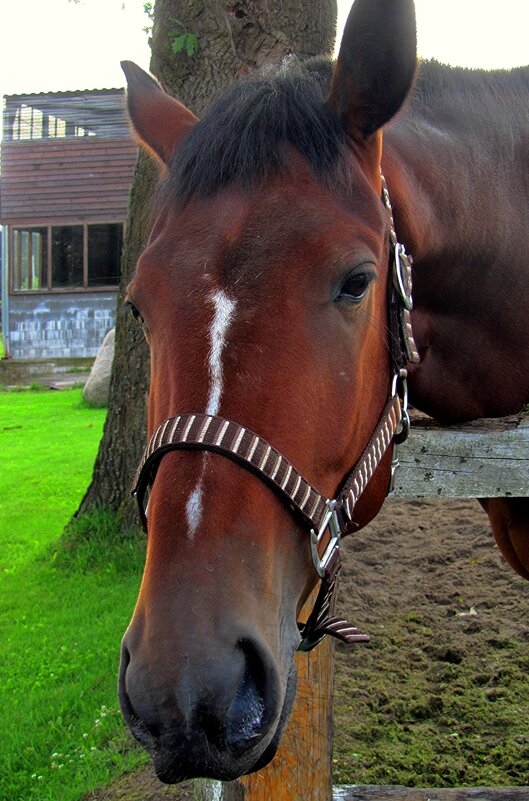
x=184, y=41
x=178, y=43
x=191, y=44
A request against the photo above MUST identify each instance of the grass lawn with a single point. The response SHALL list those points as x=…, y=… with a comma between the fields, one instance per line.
x=61, y=612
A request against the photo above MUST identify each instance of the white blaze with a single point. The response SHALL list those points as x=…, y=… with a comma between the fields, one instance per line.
x=194, y=509
x=224, y=308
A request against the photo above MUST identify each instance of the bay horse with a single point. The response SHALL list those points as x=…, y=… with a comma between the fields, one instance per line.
x=267, y=294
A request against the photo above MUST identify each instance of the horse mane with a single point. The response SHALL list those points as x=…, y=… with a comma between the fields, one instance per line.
x=244, y=134
x=440, y=87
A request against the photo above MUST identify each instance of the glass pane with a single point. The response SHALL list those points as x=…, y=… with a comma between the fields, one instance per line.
x=30, y=258
x=39, y=258
x=104, y=254
x=24, y=260
x=67, y=256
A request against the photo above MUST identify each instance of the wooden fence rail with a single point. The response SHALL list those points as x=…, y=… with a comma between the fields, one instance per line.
x=485, y=459
x=373, y=793
x=481, y=459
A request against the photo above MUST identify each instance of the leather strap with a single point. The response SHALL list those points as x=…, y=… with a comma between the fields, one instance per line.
x=328, y=519
x=403, y=348
x=205, y=432
x=211, y=433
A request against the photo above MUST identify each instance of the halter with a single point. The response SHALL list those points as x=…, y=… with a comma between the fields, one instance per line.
x=326, y=519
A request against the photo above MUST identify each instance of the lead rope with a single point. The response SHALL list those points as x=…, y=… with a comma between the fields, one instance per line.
x=328, y=519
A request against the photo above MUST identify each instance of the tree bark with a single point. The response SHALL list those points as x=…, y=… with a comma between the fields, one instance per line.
x=234, y=38
x=125, y=427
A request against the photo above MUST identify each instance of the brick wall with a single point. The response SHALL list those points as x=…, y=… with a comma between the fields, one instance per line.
x=61, y=325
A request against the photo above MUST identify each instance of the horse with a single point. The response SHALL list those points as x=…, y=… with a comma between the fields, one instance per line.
x=275, y=296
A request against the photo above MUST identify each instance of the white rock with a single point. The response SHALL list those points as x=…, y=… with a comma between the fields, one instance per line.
x=97, y=386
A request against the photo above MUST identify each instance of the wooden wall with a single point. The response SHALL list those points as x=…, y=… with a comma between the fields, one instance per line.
x=65, y=181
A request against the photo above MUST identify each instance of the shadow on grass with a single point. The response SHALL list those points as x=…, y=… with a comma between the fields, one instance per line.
x=97, y=542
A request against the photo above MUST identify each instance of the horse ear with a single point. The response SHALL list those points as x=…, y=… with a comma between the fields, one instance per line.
x=159, y=120
x=375, y=66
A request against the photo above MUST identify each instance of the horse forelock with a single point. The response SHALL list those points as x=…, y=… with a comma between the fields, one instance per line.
x=246, y=134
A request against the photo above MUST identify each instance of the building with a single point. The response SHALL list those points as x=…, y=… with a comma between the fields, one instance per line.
x=67, y=165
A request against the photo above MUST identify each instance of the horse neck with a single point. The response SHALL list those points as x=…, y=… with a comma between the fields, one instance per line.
x=460, y=202
x=454, y=183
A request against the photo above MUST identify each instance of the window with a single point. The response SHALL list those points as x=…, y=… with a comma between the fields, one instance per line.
x=104, y=254
x=28, y=123
x=30, y=258
x=66, y=256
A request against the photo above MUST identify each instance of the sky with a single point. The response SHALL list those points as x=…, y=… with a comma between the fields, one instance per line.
x=49, y=45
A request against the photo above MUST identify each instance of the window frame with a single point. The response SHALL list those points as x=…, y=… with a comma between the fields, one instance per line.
x=49, y=289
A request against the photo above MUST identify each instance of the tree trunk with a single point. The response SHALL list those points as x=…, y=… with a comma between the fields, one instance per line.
x=234, y=37
x=125, y=426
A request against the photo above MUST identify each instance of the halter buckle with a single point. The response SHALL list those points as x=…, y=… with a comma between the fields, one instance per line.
x=332, y=523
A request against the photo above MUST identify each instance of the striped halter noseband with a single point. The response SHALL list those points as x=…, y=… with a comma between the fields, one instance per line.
x=326, y=519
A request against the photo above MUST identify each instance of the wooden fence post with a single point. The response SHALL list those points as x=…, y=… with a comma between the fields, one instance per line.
x=302, y=767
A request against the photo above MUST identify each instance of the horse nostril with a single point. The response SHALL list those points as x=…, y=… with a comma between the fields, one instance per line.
x=214, y=718
x=246, y=721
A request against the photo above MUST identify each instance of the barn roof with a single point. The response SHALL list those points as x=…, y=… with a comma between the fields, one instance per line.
x=65, y=114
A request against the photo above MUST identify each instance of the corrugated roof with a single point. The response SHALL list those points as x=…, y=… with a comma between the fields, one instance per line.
x=113, y=90
x=65, y=114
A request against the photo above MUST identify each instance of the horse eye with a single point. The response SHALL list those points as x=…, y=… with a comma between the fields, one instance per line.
x=134, y=312
x=355, y=287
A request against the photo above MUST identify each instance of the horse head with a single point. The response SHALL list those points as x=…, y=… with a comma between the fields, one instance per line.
x=263, y=295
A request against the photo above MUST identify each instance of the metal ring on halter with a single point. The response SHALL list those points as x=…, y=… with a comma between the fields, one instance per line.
x=402, y=435
x=400, y=387
x=403, y=282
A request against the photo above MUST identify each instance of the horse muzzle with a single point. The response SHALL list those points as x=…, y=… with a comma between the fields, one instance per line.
x=221, y=716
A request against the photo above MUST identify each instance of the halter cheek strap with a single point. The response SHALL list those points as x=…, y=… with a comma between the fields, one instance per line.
x=327, y=519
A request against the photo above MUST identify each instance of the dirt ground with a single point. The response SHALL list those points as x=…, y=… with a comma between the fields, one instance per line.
x=439, y=697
